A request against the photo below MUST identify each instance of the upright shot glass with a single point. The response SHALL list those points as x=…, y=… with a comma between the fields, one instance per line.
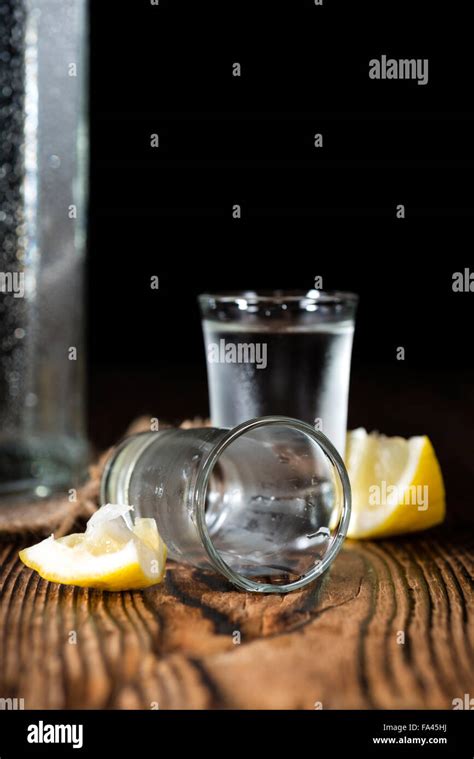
x=280, y=353
x=266, y=504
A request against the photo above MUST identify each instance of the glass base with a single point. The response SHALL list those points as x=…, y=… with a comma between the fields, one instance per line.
x=38, y=467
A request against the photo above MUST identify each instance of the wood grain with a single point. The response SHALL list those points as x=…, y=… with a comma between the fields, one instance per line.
x=337, y=644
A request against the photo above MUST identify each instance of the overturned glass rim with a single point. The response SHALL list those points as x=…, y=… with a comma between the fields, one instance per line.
x=200, y=492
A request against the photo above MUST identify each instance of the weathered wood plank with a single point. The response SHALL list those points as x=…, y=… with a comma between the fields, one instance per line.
x=391, y=626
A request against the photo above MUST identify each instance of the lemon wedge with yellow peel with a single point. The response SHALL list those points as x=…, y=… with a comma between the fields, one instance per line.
x=114, y=553
x=397, y=485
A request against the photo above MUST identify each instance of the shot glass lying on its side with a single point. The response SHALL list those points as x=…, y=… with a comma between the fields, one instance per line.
x=266, y=504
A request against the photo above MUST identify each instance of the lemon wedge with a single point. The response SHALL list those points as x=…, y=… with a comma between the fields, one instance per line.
x=114, y=553
x=397, y=485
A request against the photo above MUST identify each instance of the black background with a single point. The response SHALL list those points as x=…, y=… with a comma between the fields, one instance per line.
x=305, y=212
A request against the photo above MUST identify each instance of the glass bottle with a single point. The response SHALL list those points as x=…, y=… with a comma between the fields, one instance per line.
x=43, y=158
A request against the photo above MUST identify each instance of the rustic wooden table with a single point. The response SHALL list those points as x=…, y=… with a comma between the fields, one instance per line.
x=391, y=626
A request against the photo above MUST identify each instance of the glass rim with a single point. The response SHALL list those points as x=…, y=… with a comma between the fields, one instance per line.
x=323, y=297
x=199, y=501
